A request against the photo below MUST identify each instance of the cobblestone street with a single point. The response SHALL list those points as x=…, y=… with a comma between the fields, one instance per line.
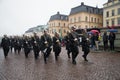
x=101, y=66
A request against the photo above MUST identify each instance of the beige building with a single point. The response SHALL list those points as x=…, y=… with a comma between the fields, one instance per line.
x=58, y=23
x=84, y=16
x=111, y=13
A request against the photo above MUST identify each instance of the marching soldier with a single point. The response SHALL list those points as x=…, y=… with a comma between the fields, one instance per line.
x=74, y=44
x=26, y=46
x=5, y=45
x=67, y=43
x=85, y=47
x=11, y=43
x=17, y=44
x=46, y=43
x=36, y=45
x=56, y=45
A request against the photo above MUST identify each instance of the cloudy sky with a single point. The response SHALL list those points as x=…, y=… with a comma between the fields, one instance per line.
x=17, y=16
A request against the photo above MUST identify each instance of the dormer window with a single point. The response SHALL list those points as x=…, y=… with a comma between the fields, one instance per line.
x=61, y=17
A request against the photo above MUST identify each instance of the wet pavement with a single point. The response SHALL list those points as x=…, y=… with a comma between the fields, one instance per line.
x=101, y=66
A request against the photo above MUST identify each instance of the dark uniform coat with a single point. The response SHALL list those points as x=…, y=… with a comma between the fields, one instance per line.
x=27, y=47
x=56, y=44
x=5, y=45
x=46, y=41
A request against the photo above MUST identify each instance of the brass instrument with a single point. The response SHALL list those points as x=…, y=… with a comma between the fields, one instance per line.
x=46, y=43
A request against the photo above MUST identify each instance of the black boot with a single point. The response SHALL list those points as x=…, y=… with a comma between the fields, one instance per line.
x=74, y=62
x=84, y=58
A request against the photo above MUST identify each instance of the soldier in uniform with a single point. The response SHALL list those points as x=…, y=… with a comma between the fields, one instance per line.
x=67, y=43
x=56, y=45
x=26, y=46
x=85, y=47
x=46, y=43
x=17, y=44
x=5, y=45
x=11, y=43
x=36, y=45
x=74, y=44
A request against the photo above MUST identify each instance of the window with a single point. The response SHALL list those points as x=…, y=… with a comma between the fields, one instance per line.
x=79, y=19
x=91, y=19
x=86, y=18
x=113, y=12
x=113, y=21
x=119, y=21
x=107, y=22
x=74, y=19
x=61, y=17
x=107, y=14
x=118, y=11
x=64, y=24
x=71, y=20
x=64, y=31
x=58, y=24
x=66, y=18
x=86, y=26
x=95, y=20
x=59, y=30
x=98, y=20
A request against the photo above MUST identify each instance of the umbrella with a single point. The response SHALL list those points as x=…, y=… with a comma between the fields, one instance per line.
x=90, y=32
x=94, y=31
x=112, y=30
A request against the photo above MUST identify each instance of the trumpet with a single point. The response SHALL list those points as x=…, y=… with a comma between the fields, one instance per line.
x=46, y=43
x=57, y=40
x=75, y=39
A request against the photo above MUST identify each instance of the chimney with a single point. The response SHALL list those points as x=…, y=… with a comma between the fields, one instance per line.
x=82, y=3
x=58, y=12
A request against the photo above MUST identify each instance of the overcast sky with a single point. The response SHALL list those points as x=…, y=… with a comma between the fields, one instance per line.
x=17, y=16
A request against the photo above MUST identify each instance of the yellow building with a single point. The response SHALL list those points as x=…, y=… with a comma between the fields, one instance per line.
x=84, y=16
x=58, y=23
x=111, y=13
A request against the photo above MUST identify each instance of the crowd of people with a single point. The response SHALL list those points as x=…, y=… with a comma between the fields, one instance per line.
x=107, y=39
x=45, y=44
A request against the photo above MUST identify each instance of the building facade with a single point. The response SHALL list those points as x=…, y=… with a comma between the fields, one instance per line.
x=39, y=30
x=84, y=16
x=58, y=23
x=111, y=13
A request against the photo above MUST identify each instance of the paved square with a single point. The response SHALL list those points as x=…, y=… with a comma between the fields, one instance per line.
x=101, y=66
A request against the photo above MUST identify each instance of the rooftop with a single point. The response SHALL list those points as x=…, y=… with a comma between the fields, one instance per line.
x=86, y=8
x=59, y=16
